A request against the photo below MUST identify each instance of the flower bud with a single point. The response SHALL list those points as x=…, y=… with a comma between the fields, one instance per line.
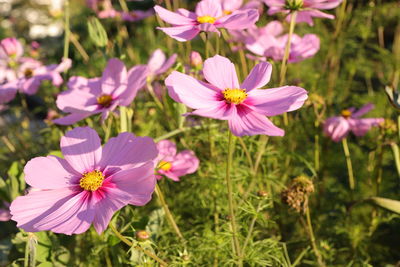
x=10, y=48
x=195, y=60
x=142, y=235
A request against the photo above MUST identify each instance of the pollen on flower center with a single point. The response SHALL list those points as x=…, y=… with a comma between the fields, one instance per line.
x=104, y=100
x=206, y=19
x=28, y=73
x=227, y=12
x=235, y=95
x=91, y=181
x=164, y=165
x=346, y=113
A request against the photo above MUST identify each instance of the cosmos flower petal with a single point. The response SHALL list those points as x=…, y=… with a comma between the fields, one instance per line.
x=275, y=101
x=136, y=81
x=185, y=163
x=166, y=148
x=365, y=109
x=220, y=111
x=209, y=8
x=126, y=149
x=81, y=147
x=239, y=20
x=58, y=174
x=114, y=76
x=73, y=118
x=59, y=210
x=361, y=126
x=248, y=122
x=8, y=92
x=181, y=33
x=258, y=77
x=185, y=89
x=172, y=17
x=220, y=72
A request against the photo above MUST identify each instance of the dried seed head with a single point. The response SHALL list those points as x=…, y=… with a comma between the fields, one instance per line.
x=296, y=195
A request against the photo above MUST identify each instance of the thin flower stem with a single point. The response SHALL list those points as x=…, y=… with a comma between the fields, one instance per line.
x=249, y=234
x=349, y=165
x=66, y=30
x=168, y=213
x=282, y=75
x=310, y=231
x=243, y=61
x=230, y=194
x=130, y=244
x=124, y=119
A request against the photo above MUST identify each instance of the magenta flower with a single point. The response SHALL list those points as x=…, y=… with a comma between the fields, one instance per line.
x=175, y=165
x=339, y=127
x=307, y=9
x=5, y=212
x=208, y=18
x=159, y=64
x=244, y=105
x=85, y=97
x=88, y=185
x=271, y=44
x=10, y=48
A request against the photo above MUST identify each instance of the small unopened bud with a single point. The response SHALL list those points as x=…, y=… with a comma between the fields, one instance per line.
x=195, y=60
x=262, y=193
x=142, y=235
x=388, y=126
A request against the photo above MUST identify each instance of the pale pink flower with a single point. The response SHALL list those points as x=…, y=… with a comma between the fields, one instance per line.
x=307, y=9
x=208, y=17
x=88, y=185
x=195, y=59
x=86, y=97
x=174, y=165
x=244, y=105
x=10, y=48
x=271, y=44
x=229, y=6
x=28, y=75
x=159, y=64
x=5, y=212
x=339, y=127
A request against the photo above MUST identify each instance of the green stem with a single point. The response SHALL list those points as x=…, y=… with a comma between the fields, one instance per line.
x=130, y=244
x=312, y=239
x=287, y=49
x=168, y=213
x=153, y=95
x=124, y=119
x=348, y=161
x=66, y=30
x=249, y=234
x=230, y=195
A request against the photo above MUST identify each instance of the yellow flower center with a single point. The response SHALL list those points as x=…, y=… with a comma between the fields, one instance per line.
x=227, y=12
x=91, y=181
x=28, y=73
x=235, y=95
x=104, y=100
x=165, y=165
x=346, y=113
x=206, y=19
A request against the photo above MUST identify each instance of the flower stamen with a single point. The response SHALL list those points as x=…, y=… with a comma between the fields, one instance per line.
x=104, y=100
x=346, y=113
x=206, y=19
x=235, y=95
x=164, y=165
x=91, y=181
x=28, y=73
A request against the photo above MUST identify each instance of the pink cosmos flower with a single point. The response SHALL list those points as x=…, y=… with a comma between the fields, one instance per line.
x=229, y=6
x=159, y=64
x=175, y=165
x=88, y=185
x=24, y=74
x=104, y=9
x=339, y=127
x=5, y=212
x=244, y=105
x=208, y=17
x=85, y=97
x=271, y=44
x=307, y=9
